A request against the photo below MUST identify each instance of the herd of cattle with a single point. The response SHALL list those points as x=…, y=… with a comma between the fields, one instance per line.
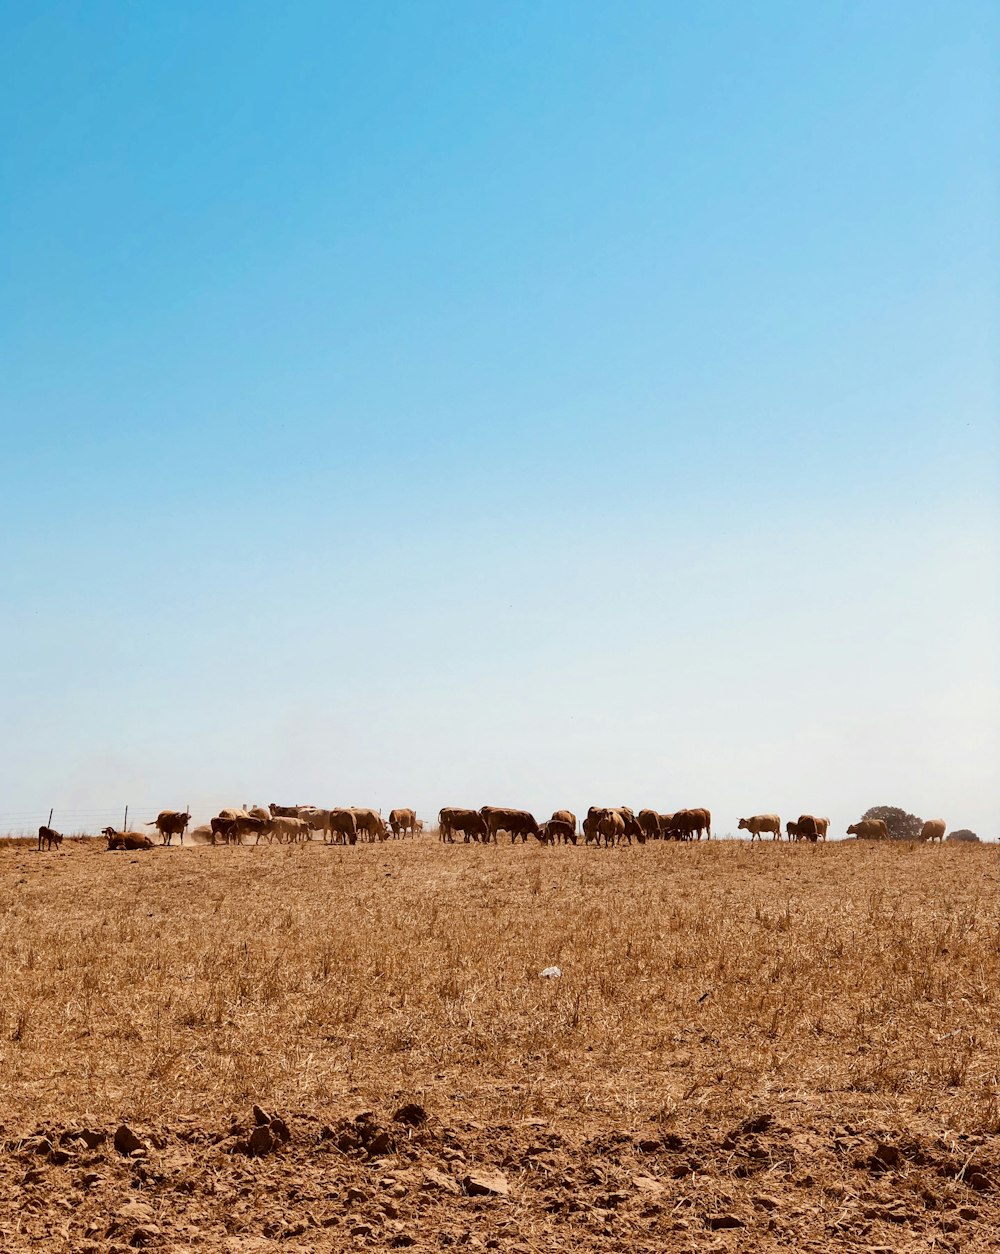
x=602, y=824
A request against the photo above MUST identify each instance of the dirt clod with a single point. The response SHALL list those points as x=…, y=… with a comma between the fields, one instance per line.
x=126, y=1142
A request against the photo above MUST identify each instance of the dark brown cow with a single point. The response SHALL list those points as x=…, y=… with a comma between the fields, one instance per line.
x=470, y=823
x=808, y=828
x=649, y=821
x=566, y=816
x=402, y=822
x=517, y=822
x=171, y=823
x=792, y=830
x=49, y=837
x=556, y=830
x=343, y=827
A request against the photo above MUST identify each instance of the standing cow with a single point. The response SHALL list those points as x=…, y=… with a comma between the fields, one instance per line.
x=402, y=822
x=757, y=824
x=171, y=823
x=933, y=829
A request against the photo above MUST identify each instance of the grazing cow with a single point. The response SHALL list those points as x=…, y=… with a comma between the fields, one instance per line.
x=170, y=823
x=933, y=829
x=808, y=828
x=556, y=830
x=370, y=823
x=566, y=816
x=671, y=829
x=130, y=841
x=692, y=823
x=285, y=828
x=402, y=821
x=649, y=821
x=517, y=822
x=48, y=837
x=418, y=826
x=822, y=827
x=343, y=827
x=792, y=830
x=470, y=823
x=760, y=823
x=315, y=819
x=869, y=829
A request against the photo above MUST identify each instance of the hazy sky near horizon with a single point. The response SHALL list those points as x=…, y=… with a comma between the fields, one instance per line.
x=542, y=404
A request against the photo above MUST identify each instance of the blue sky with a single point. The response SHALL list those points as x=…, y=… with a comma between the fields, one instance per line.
x=539, y=403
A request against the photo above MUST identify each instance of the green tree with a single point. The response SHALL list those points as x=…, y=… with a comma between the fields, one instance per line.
x=902, y=826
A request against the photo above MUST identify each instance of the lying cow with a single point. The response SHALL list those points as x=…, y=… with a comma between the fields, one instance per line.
x=130, y=841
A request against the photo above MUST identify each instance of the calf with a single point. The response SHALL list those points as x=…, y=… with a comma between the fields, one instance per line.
x=48, y=837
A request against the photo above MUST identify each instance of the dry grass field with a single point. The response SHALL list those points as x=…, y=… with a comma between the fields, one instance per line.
x=749, y=1048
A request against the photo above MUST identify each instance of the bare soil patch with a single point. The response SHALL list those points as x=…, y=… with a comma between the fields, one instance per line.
x=317, y=1048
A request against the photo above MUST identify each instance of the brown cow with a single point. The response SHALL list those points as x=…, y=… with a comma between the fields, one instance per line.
x=808, y=827
x=760, y=823
x=343, y=827
x=502, y=819
x=933, y=829
x=131, y=841
x=48, y=837
x=566, y=816
x=402, y=822
x=649, y=821
x=171, y=823
x=370, y=823
x=792, y=829
x=470, y=823
x=554, y=830
x=694, y=822
x=869, y=829
x=610, y=826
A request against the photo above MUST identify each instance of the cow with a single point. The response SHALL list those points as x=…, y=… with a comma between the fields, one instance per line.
x=517, y=822
x=131, y=841
x=286, y=828
x=170, y=823
x=792, y=830
x=418, y=826
x=48, y=837
x=933, y=829
x=343, y=827
x=283, y=812
x=671, y=829
x=700, y=820
x=470, y=823
x=649, y=821
x=566, y=816
x=822, y=827
x=370, y=823
x=551, y=832
x=610, y=826
x=402, y=821
x=808, y=827
x=315, y=819
x=757, y=824
x=869, y=829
